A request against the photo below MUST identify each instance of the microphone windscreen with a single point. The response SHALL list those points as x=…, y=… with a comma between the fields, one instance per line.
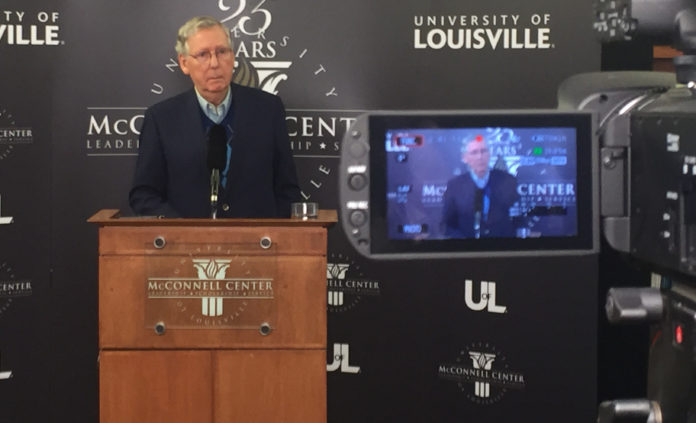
x=478, y=200
x=217, y=148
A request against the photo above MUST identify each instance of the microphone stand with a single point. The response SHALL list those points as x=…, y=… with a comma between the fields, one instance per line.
x=477, y=224
x=478, y=212
x=214, y=190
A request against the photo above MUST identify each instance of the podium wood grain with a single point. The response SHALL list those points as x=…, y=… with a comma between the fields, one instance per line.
x=212, y=375
x=295, y=381
x=155, y=387
x=300, y=320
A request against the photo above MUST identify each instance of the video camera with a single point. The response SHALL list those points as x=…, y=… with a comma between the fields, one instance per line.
x=619, y=154
x=647, y=132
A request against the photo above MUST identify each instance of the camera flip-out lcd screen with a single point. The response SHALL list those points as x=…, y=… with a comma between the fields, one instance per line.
x=470, y=183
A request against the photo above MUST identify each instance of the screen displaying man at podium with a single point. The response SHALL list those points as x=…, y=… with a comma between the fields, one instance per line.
x=477, y=203
x=219, y=149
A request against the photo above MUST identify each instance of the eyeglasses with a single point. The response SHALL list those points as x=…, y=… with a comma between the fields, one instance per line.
x=221, y=53
x=478, y=152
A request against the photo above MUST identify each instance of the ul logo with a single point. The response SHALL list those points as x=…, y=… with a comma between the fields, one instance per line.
x=486, y=300
x=341, y=359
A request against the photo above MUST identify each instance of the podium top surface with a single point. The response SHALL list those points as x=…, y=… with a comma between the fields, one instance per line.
x=112, y=217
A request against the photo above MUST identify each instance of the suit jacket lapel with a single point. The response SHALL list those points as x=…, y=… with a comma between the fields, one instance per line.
x=238, y=139
x=192, y=130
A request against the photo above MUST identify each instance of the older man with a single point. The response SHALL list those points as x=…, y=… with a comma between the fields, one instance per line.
x=172, y=178
x=477, y=203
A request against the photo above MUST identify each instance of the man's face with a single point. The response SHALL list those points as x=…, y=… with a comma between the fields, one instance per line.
x=477, y=156
x=211, y=73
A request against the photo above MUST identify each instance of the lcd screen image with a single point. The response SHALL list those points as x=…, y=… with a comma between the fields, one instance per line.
x=481, y=182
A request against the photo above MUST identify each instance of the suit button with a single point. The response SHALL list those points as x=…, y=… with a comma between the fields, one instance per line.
x=226, y=207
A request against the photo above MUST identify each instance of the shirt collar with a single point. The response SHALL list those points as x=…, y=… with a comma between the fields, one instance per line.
x=480, y=182
x=216, y=114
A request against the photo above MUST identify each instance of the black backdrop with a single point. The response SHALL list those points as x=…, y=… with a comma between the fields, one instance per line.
x=78, y=75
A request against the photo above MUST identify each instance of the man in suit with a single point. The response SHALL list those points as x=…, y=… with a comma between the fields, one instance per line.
x=172, y=178
x=477, y=203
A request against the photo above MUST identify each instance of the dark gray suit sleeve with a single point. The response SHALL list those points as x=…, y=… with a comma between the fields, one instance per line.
x=149, y=193
x=285, y=185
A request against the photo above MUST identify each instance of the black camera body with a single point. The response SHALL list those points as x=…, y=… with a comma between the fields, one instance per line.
x=648, y=159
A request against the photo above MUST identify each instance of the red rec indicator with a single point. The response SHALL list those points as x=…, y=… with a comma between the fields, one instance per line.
x=678, y=334
x=408, y=140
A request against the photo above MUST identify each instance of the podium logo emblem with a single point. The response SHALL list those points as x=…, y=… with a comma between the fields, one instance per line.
x=226, y=290
x=211, y=269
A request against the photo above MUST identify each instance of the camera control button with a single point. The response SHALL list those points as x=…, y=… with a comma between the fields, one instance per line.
x=357, y=181
x=358, y=217
x=357, y=149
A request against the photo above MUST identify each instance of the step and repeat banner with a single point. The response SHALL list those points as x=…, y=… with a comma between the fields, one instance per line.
x=481, y=340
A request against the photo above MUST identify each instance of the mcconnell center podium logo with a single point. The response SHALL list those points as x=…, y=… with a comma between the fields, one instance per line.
x=483, y=373
x=211, y=270
x=212, y=289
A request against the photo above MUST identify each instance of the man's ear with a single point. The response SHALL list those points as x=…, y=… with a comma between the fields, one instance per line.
x=182, y=64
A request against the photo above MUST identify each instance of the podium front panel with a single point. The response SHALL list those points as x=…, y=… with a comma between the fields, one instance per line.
x=270, y=386
x=288, y=276
x=211, y=286
x=155, y=386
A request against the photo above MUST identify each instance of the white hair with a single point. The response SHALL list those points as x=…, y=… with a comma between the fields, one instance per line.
x=192, y=26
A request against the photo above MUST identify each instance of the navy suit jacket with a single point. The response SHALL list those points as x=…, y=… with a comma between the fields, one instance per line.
x=172, y=178
x=458, y=208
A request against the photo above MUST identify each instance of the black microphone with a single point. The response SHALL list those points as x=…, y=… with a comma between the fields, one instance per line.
x=478, y=211
x=217, y=147
x=217, y=160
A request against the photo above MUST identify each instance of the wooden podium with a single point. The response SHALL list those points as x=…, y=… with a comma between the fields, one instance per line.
x=205, y=320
